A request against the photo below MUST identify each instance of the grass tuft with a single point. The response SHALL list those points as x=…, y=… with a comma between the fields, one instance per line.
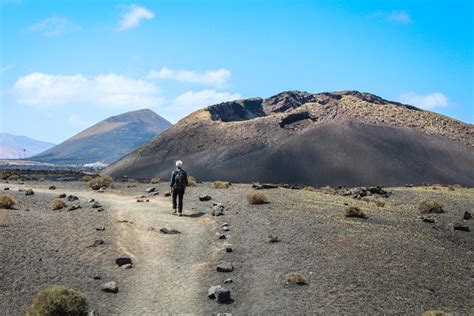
x=7, y=201
x=354, y=211
x=296, y=278
x=256, y=198
x=273, y=238
x=58, y=300
x=156, y=180
x=221, y=185
x=58, y=204
x=192, y=181
x=100, y=182
x=430, y=206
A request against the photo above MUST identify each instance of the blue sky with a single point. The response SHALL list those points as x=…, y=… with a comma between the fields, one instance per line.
x=68, y=64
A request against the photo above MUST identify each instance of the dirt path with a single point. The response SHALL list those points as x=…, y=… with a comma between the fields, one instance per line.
x=169, y=270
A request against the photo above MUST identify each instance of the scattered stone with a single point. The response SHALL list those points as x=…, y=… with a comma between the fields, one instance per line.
x=62, y=195
x=6, y=189
x=227, y=281
x=27, y=209
x=228, y=248
x=52, y=187
x=74, y=207
x=461, y=227
x=123, y=259
x=211, y=292
x=127, y=266
x=225, y=224
x=140, y=201
x=97, y=276
x=125, y=221
x=98, y=242
x=96, y=205
x=147, y=200
x=100, y=227
x=100, y=209
x=91, y=201
x=428, y=219
x=102, y=190
x=225, y=228
x=224, y=266
x=156, y=193
x=217, y=209
x=109, y=287
x=72, y=198
x=258, y=186
x=222, y=295
x=205, y=198
x=167, y=194
x=29, y=192
x=169, y=231
x=150, y=190
x=467, y=215
x=222, y=237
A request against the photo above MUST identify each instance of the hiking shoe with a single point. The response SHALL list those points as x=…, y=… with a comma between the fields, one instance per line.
x=174, y=212
x=179, y=214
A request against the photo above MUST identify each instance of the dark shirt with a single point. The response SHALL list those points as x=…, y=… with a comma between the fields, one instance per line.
x=174, y=173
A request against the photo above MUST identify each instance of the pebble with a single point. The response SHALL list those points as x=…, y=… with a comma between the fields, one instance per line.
x=171, y=231
x=222, y=295
x=127, y=266
x=99, y=227
x=150, y=190
x=205, y=198
x=222, y=237
x=52, y=187
x=224, y=266
x=467, y=215
x=109, y=287
x=227, y=281
x=217, y=209
x=123, y=259
x=29, y=192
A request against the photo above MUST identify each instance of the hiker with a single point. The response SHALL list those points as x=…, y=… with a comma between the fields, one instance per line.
x=178, y=184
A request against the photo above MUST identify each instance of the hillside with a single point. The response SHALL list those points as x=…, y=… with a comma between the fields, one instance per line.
x=107, y=140
x=15, y=147
x=340, y=138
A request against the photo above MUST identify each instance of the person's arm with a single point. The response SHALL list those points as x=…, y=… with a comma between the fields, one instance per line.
x=173, y=174
x=186, y=178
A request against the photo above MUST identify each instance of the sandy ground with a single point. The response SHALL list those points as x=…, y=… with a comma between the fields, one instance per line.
x=391, y=262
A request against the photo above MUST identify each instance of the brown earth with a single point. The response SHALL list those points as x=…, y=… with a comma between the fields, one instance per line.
x=392, y=262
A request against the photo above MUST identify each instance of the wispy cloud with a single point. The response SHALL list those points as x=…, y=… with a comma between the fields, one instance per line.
x=395, y=16
x=54, y=26
x=427, y=101
x=218, y=78
x=134, y=15
x=108, y=90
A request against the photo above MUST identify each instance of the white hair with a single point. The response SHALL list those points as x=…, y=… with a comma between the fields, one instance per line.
x=179, y=163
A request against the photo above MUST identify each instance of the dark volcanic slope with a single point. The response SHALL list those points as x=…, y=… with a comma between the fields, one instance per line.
x=107, y=140
x=342, y=138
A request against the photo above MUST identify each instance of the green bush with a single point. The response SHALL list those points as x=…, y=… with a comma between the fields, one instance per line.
x=58, y=300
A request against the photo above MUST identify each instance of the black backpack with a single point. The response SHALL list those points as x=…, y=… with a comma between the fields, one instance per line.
x=179, y=181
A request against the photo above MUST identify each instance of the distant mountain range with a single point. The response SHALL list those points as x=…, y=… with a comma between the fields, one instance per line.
x=108, y=140
x=19, y=147
x=339, y=138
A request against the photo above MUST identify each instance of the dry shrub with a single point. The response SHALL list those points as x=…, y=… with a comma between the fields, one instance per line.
x=221, y=184
x=191, y=181
x=7, y=201
x=328, y=190
x=296, y=278
x=430, y=206
x=428, y=219
x=273, y=238
x=156, y=180
x=310, y=189
x=354, y=211
x=13, y=177
x=85, y=179
x=436, y=313
x=58, y=300
x=100, y=182
x=256, y=198
x=379, y=203
x=58, y=204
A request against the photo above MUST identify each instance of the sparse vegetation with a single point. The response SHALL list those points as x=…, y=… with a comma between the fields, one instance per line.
x=354, y=211
x=428, y=219
x=86, y=179
x=100, y=182
x=273, y=238
x=7, y=201
x=58, y=300
x=296, y=278
x=191, y=181
x=221, y=184
x=310, y=188
x=58, y=204
x=13, y=177
x=430, y=206
x=377, y=202
x=328, y=190
x=256, y=198
x=156, y=180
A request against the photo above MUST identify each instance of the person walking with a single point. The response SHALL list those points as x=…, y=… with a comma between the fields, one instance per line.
x=178, y=184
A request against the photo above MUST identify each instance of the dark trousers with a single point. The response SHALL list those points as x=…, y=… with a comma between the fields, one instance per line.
x=178, y=194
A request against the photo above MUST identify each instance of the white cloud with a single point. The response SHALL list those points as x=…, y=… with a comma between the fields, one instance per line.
x=191, y=101
x=54, y=26
x=217, y=78
x=427, y=101
x=109, y=90
x=394, y=16
x=134, y=16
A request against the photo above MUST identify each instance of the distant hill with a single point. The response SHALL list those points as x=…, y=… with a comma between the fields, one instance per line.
x=19, y=147
x=339, y=138
x=108, y=140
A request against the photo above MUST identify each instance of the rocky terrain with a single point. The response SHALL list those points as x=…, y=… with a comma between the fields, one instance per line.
x=340, y=138
x=108, y=140
x=396, y=258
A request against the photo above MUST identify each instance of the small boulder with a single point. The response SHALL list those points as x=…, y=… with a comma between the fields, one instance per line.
x=74, y=207
x=225, y=228
x=150, y=190
x=100, y=209
x=123, y=259
x=228, y=248
x=222, y=295
x=461, y=227
x=96, y=205
x=91, y=201
x=205, y=198
x=109, y=287
x=467, y=215
x=217, y=209
x=222, y=236
x=72, y=198
x=102, y=190
x=211, y=292
x=62, y=195
x=29, y=192
x=52, y=187
x=224, y=266
x=6, y=189
x=167, y=194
